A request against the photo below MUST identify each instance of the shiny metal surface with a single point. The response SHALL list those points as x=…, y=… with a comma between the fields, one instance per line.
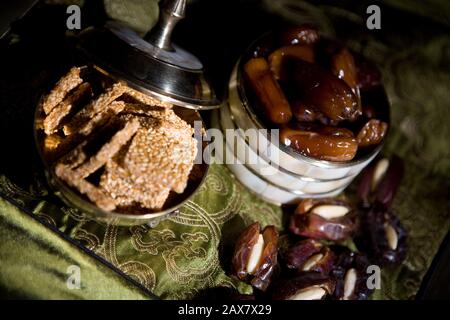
x=171, y=12
x=152, y=65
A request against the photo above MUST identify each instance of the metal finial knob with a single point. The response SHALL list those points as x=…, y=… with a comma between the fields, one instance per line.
x=171, y=11
x=153, y=65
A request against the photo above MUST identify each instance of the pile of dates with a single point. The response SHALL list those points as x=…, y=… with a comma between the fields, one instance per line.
x=328, y=102
x=316, y=264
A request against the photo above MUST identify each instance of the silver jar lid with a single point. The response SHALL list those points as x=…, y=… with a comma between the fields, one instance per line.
x=152, y=65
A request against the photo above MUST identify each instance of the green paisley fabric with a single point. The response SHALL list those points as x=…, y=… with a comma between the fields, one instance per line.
x=177, y=258
x=183, y=255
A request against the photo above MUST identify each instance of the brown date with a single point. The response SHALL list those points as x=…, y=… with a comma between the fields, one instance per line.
x=325, y=143
x=268, y=91
x=368, y=111
x=343, y=66
x=368, y=75
x=302, y=52
x=255, y=255
x=372, y=133
x=350, y=276
x=322, y=90
x=380, y=182
x=297, y=255
x=310, y=255
x=388, y=186
x=333, y=221
x=324, y=129
x=307, y=204
x=304, y=34
x=306, y=286
x=381, y=235
x=305, y=113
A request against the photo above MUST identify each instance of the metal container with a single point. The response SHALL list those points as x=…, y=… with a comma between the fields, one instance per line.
x=76, y=200
x=278, y=188
x=157, y=68
x=292, y=176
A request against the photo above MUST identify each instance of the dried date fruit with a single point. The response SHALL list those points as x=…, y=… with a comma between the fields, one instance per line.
x=333, y=221
x=275, y=105
x=389, y=184
x=322, y=90
x=325, y=143
x=321, y=262
x=304, y=34
x=264, y=47
x=380, y=182
x=263, y=274
x=343, y=66
x=350, y=275
x=368, y=75
x=310, y=255
x=244, y=248
x=297, y=255
x=372, y=133
x=381, y=235
x=307, y=204
x=306, y=286
x=255, y=255
x=321, y=129
x=304, y=113
x=302, y=52
x=368, y=111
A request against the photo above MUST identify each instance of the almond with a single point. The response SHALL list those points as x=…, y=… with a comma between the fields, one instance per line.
x=349, y=283
x=330, y=211
x=311, y=293
x=312, y=261
x=255, y=255
x=391, y=236
x=379, y=172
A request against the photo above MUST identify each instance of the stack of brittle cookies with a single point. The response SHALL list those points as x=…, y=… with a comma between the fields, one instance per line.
x=122, y=149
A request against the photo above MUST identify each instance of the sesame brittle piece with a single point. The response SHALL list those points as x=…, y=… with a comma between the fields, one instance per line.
x=63, y=109
x=125, y=191
x=99, y=120
x=94, y=108
x=95, y=194
x=162, y=153
x=109, y=149
x=140, y=109
x=74, y=174
x=102, y=117
x=70, y=81
x=51, y=142
x=145, y=99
